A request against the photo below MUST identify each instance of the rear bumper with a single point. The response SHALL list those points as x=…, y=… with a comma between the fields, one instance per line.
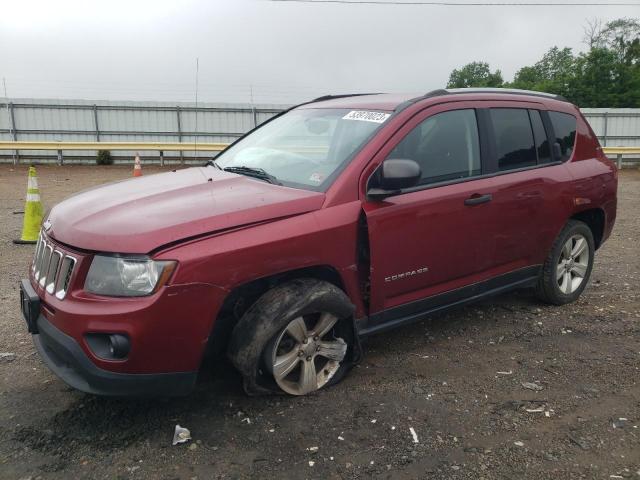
x=64, y=356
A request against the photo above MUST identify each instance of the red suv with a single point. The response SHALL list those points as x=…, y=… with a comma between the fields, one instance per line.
x=339, y=218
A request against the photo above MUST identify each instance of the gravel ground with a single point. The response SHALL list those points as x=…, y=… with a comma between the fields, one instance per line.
x=456, y=380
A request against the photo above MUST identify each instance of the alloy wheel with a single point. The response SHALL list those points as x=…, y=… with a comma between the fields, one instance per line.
x=306, y=355
x=573, y=264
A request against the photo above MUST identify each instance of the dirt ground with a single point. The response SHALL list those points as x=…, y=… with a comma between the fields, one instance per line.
x=455, y=379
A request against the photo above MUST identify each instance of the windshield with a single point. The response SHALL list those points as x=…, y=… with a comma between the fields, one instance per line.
x=304, y=148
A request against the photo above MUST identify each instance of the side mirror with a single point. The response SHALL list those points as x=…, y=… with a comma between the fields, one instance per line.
x=394, y=175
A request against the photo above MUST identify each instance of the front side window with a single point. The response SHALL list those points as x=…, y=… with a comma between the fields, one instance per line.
x=514, y=138
x=445, y=145
x=304, y=148
x=564, y=127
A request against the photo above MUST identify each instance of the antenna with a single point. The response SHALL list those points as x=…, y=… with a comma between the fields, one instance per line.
x=253, y=107
x=9, y=121
x=195, y=137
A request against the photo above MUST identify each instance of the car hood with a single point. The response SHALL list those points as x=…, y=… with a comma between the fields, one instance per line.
x=141, y=214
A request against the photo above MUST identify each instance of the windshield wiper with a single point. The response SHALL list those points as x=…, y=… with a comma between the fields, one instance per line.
x=254, y=172
x=212, y=163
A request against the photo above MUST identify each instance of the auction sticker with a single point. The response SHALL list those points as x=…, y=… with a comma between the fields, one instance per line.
x=365, y=116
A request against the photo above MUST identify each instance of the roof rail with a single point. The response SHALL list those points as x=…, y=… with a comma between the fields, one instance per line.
x=332, y=97
x=507, y=91
x=433, y=93
x=459, y=91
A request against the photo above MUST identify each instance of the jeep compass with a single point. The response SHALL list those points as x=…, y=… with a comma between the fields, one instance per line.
x=336, y=219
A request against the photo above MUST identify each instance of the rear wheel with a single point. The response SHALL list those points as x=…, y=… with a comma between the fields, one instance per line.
x=568, y=267
x=297, y=338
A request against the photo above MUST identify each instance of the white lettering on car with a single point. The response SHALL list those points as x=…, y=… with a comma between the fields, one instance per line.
x=411, y=273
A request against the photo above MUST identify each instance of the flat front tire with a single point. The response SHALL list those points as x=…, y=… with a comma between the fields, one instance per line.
x=296, y=339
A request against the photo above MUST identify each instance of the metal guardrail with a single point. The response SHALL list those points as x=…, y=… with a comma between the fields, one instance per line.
x=80, y=120
x=619, y=152
x=613, y=117
x=161, y=147
x=149, y=146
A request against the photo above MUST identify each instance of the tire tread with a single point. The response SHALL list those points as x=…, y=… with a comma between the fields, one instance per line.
x=545, y=288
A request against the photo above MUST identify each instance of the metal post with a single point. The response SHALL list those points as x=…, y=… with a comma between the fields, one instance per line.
x=60, y=158
x=161, y=158
x=619, y=161
x=14, y=134
x=255, y=116
x=179, y=133
x=95, y=122
x=606, y=122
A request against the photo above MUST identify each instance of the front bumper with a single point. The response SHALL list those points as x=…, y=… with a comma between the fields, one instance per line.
x=64, y=356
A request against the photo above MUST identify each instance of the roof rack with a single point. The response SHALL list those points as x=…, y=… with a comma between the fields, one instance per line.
x=332, y=97
x=433, y=93
x=510, y=91
x=459, y=91
x=436, y=93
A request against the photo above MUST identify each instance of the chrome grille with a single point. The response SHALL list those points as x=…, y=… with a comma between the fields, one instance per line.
x=64, y=276
x=52, y=272
x=46, y=258
x=52, y=268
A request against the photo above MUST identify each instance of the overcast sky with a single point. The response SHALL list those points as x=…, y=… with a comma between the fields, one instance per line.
x=287, y=52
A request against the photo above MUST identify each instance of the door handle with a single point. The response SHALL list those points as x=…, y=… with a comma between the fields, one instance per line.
x=477, y=199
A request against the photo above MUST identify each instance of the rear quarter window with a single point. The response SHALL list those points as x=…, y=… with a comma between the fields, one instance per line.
x=564, y=128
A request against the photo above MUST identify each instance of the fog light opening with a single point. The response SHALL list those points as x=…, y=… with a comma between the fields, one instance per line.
x=109, y=346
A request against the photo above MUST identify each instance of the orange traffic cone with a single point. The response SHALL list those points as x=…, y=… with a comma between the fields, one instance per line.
x=137, y=168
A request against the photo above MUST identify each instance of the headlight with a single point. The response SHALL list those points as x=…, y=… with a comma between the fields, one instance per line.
x=127, y=277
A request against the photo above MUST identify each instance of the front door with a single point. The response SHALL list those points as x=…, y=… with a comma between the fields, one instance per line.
x=433, y=239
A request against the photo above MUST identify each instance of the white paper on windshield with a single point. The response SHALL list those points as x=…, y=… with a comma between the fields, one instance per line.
x=365, y=116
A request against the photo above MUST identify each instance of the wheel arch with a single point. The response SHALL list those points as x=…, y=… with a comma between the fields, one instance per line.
x=272, y=312
x=595, y=220
x=241, y=297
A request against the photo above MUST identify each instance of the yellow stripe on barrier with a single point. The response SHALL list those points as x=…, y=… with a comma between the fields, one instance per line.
x=177, y=146
x=621, y=150
x=153, y=146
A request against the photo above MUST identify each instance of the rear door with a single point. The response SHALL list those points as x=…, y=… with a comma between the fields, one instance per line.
x=529, y=188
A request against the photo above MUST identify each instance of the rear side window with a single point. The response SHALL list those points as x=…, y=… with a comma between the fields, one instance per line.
x=514, y=138
x=540, y=137
x=564, y=127
x=445, y=145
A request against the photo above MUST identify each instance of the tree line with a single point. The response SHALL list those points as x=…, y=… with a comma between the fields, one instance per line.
x=607, y=74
